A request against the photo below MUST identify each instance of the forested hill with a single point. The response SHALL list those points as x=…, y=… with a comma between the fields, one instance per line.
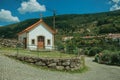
x=72, y=24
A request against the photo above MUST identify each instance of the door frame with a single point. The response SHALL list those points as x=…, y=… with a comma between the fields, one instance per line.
x=43, y=41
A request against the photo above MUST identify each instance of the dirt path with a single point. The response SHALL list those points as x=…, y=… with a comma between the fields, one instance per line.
x=15, y=70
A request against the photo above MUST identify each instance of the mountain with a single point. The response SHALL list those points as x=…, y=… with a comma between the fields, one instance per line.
x=72, y=24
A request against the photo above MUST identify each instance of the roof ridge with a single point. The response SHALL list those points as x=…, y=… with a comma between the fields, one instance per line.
x=34, y=25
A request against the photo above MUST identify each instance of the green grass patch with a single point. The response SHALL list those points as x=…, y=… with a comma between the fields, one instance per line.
x=24, y=52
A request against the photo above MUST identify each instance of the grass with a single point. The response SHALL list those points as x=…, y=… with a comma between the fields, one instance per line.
x=24, y=52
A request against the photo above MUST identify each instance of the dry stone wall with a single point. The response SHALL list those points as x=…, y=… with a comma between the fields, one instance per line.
x=8, y=43
x=59, y=64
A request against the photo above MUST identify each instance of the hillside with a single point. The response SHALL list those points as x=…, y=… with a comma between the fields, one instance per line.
x=73, y=24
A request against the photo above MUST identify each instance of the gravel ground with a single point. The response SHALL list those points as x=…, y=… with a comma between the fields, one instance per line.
x=11, y=69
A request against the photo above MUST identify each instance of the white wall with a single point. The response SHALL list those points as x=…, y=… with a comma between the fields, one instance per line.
x=40, y=31
x=22, y=36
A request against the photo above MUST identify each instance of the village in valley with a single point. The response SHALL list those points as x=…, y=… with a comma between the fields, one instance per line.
x=59, y=46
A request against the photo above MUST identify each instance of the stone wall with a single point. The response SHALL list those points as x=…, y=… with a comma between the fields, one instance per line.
x=59, y=64
x=8, y=43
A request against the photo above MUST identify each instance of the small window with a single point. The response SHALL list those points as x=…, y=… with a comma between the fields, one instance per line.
x=33, y=41
x=48, y=42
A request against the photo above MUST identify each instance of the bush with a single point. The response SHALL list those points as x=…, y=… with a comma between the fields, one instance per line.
x=108, y=57
x=94, y=50
x=97, y=58
x=70, y=48
x=119, y=58
x=86, y=52
x=60, y=47
x=105, y=58
x=115, y=58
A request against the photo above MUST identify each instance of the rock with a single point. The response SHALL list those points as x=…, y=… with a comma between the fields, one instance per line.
x=72, y=69
x=52, y=65
x=59, y=67
x=56, y=60
x=49, y=61
x=67, y=68
x=76, y=68
x=72, y=65
x=77, y=65
x=59, y=63
x=31, y=60
x=66, y=63
x=40, y=63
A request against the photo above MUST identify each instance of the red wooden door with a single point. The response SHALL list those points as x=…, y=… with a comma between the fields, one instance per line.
x=41, y=42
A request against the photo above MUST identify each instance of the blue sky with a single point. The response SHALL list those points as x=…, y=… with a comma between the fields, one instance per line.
x=12, y=11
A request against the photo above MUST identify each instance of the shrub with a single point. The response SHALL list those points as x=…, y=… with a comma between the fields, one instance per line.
x=70, y=48
x=105, y=58
x=119, y=58
x=108, y=57
x=93, y=51
x=97, y=58
x=60, y=47
x=86, y=52
x=115, y=58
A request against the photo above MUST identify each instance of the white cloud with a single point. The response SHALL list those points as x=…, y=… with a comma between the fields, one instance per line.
x=115, y=5
x=109, y=2
x=6, y=16
x=116, y=1
x=31, y=6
